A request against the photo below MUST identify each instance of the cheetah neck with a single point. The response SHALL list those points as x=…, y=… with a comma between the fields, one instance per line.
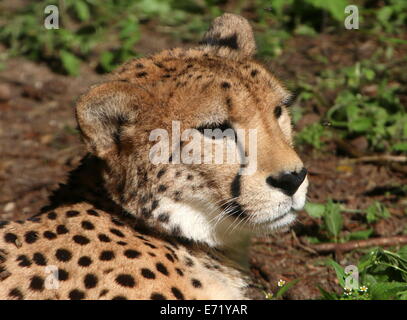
x=197, y=222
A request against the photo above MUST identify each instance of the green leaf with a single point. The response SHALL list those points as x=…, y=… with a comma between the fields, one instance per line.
x=106, y=60
x=376, y=211
x=360, y=235
x=336, y=8
x=315, y=210
x=327, y=295
x=360, y=124
x=333, y=218
x=285, y=288
x=82, y=10
x=386, y=290
x=70, y=62
x=340, y=272
x=403, y=252
x=401, y=146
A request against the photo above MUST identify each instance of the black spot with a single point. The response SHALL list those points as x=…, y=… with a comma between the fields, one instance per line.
x=126, y=280
x=141, y=74
x=10, y=237
x=104, y=238
x=72, y=213
x=154, y=205
x=50, y=235
x=229, y=102
x=152, y=254
x=37, y=283
x=163, y=217
x=121, y=243
x=162, y=188
x=230, y=42
x=103, y=292
x=92, y=212
x=23, y=261
x=160, y=173
x=87, y=225
x=190, y=177
x=179, y=271
x=147, y=273
x=52, y=215
x=106, y=255
x=63, y=255
x=254, y=72
x=169, y=257
x=31, y=236
x=119, y=298
x=177, y=195
x=196, y=283
x=117, y=222
x=235, y=186
x=145, y=213
x=62, y=275
x=90, y=281
x=39, y=259
x=131, y=254
x=150, y=245
x=161, y=268
x=76, y=295
x=84, y=261
x=16, y=293
x=139, y=65
x=61, y=229
x=177, y=293
x=80, y=240
x=3, y=224
x=117, y=233
x=225, y=85
x=278, y=111
x=157, y=296
x=189, y=262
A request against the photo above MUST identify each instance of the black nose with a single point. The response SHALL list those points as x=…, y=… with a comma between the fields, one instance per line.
x=288, y=182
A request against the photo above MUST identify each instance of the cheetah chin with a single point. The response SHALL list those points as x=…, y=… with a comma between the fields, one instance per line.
x=126, y=227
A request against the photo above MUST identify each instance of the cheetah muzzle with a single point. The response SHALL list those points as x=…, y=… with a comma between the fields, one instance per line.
x=123, y=227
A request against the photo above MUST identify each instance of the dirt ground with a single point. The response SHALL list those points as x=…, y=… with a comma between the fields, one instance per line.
x=39, y=145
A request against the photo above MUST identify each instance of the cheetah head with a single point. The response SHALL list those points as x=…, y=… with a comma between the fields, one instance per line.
x=173, y=97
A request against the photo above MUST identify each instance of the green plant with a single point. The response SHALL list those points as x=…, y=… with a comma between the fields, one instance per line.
x=379, y=117
x=332, y=220
x=283, y=288
x=382, y=276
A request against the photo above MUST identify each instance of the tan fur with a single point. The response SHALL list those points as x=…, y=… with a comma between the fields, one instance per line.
x=166, y=212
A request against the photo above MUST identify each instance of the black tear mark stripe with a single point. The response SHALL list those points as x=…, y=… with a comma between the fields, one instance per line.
x=235, y=186
x=229, y=42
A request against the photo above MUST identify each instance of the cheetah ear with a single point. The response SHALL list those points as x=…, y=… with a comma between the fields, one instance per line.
x=103, y=114
x=230, y=36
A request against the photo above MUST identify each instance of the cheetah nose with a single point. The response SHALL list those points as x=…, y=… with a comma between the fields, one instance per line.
x=289, y=182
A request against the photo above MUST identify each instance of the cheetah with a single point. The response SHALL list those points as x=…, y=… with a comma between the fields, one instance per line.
x=122, y=227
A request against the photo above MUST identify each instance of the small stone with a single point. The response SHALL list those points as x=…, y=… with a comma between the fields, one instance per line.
x=9, y=207
x=46, y=139
x=5, y=92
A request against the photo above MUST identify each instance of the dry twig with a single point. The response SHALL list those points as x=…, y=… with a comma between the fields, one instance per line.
x=357, y=244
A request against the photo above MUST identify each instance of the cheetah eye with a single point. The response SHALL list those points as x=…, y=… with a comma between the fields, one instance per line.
x=278, y=111
x=204, y=129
